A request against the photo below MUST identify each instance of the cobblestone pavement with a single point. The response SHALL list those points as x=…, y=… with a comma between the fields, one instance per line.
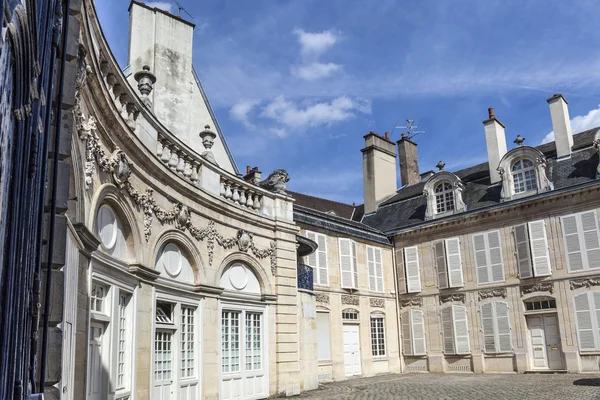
x=462, y=387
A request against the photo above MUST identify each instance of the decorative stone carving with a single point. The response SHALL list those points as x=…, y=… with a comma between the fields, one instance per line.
x=82, y=68
x=597, y=147
x=208, y=139
x=538, y=287
x=322, y=298
x=145, y=80
x=121, y=167
x=377, y=303
x=244, y=240
x=276, y=181
x=412, y=302
x=429, y=192
x=182, y=219
x=460, y=297
x=350, y=300
x=585, y=282
x=489, y=293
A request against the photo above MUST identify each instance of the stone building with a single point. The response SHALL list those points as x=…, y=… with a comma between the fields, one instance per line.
x=185, y=279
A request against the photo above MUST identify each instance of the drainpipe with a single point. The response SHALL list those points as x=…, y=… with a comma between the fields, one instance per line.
x=59, y=100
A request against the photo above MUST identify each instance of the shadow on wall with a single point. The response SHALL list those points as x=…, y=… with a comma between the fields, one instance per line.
x=587, y=382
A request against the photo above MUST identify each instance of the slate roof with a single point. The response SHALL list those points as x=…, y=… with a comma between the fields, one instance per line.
x=316, y=203
x=407, y=207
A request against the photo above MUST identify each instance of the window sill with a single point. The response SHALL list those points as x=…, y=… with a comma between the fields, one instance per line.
x=589, y=352
x=122, y=394
x=499, y=355
x=380, y=358
x=99, y=317
x=469, y=355
x=325, y=363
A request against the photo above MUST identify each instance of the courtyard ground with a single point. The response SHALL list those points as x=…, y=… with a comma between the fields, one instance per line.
x=463, y=387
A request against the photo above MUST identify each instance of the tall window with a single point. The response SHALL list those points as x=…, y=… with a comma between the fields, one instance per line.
x=455, y=329
x=587, y=315
x=448, y=263
x=377, y=335
x=318, y=259
x=412, y=269
x=524, y=177
x=375, y=267
x=444, y=197
x=533, y=255
x=230, y=341
x=253, y=342
x=124, y=341
x=187, y=342
x=323, y=335
x=582, y=241
x=413, y=333
x=488, y=257
x=495, y=323
x=348, y=265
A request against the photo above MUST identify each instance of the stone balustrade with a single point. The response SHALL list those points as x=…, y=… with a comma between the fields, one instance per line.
x=242, y=194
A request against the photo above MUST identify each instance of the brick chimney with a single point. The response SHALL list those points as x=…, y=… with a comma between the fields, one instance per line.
x=379, y=170
x=495, y=140
x=253, y=175
x=561, y=123
x=409, y=161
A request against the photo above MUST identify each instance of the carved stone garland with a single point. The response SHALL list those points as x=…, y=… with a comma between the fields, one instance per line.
x=585, y=282
x=413, y=302
x=322, y=298
x=377, y=303
x=538, y=287
x=350, y=300
x=489, y=293
x=120, y=167
x=452, y=297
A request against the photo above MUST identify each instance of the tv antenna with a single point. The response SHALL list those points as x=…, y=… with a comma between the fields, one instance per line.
x=411, y=129
x=181, y=8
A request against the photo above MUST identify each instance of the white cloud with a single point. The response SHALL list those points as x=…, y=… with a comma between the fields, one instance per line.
x=316, y=70
x=163, y=5
x=580, y=123
x=315, y=44
x=240, y=111
x=299, y=117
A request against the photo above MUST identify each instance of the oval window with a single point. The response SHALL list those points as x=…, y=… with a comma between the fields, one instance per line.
x=172, y=261
x=107, y=226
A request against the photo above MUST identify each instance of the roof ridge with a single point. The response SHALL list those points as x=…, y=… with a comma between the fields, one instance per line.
x=322, y=198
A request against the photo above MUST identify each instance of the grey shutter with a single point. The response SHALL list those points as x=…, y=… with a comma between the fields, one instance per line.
x=495, y=256
x=418, y=332
x=448, y=330
x=572, y=243
x=585, y=327
x=481, y=259
x=487, y=324
x=589, y=228
x=401, y=272
x=322, y=273
x=354, y=265
x=346, y=263
x=371, y=268
x=312, y=258
x=440, y=261
x=596, y=315
x=461, y=330
x=413, y=276
x=539, y=248
x=503, y=327
x=523, y=255
x=407, y=344
x=378, y=269
x=454, y=262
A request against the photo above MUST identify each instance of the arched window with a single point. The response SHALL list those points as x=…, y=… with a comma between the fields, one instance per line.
x=350, y=314
x=524, y=176
x=444, y=197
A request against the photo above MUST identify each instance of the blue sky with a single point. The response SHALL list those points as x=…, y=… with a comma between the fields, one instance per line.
x=296, y=84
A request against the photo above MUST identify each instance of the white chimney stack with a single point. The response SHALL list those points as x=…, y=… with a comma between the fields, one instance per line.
x=496, y=144
x=561, y=123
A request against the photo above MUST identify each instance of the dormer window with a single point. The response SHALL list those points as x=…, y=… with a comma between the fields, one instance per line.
x=444, y=197
x=524, y=176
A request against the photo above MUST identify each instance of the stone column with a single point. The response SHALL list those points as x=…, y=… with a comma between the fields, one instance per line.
x=210, y=349
x=143, y=352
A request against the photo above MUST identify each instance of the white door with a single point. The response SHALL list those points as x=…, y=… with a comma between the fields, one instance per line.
x=243, y=367
x=163, y=365
x=351, y=350
x=96, y=371
x=545, y=341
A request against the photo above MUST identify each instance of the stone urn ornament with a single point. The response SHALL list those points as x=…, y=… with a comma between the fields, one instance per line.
x=208, y=139
x=145, y=80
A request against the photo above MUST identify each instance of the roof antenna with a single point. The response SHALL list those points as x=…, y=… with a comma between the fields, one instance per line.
x=410, y=129
x=181, y=8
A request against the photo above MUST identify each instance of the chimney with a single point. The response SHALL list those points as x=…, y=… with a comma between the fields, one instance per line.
x=409, y=161
x=496, y=144
x=561, y=123
x=252, y=175
x=379, y=170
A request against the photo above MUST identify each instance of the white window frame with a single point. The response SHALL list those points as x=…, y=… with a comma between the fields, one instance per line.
x=444, y=197
x=487, y=249
x=455, y=343
x=581, y=240
x=319, y=264
x=521, y=172
x=409, y=346
x=378, y=333
x=378, y=275
x=354, y=266
x=495, y=327
x=445, y=274
x=593, y=314
x=409, y=287
x=534, y=267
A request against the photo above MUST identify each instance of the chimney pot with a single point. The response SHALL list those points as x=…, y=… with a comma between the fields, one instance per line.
x=247, y=169
x=387, y=135
x=491, y=113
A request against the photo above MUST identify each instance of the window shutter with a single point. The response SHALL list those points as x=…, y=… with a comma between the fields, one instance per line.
x=589, y=227
x=585, y=328
x=440, y=260
x=523, y=256
x=418, y=332
x=448, y=330
x=596, y=316
x=487, y=323
x=481, y=261
x=346, y=263
x=503, y=327
x=312, y=258
x=539, y=248
x=323, y=334
x=411, y=261
x=407, y=344
x=496, y=265
x=371, y=268
x=461, y=330
x=454, y=262
x=354, y=265
x=401, y=272
x=378, y=269
x=571, y=236
x=323, y=275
